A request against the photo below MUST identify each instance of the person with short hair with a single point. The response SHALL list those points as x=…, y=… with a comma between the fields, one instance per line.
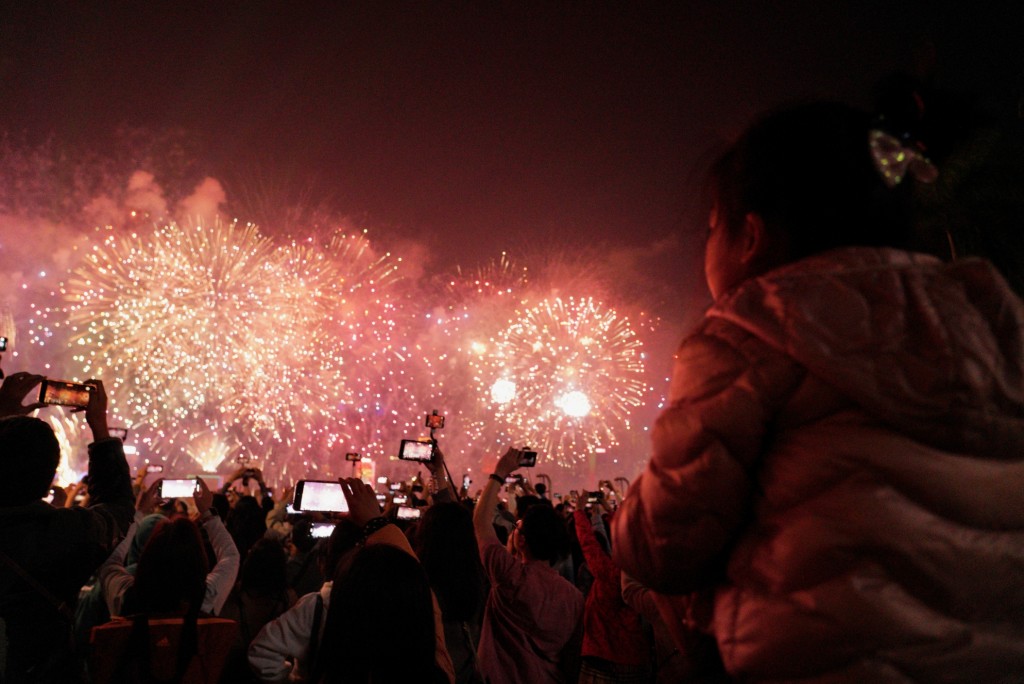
x=532, y=614
x=47, y=554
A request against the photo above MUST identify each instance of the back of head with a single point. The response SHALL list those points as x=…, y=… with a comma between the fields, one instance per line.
x=247, y=523
x=171, y=573
x=545, y=534
x=29, y=455
x=808, y=172
x=263, y=571
x=381, y=616
x=447, y=547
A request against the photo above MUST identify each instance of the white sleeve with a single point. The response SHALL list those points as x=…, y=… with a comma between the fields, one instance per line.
x=222, y=577
x=284, y=638
x=113, y=577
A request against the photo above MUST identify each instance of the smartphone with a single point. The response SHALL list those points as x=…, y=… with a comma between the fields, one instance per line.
x=382, y=499
x=434, y=421
x=353, y=456
x=395, y=486
x=64, y=393
x=3, y=344
x=400, y=500
x=382, y=480
x=409, y=513
x=178, y=489
x=154, y=468
x=416, y=450
x=321, y=530
x=595, y=497
x=321, y=496
x=513, y=479
x=573, y=495
x=466, y=481
x=120, y=432
x=527, y=459
x=49, y=497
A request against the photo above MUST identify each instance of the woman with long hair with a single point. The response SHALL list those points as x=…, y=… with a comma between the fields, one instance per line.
x=383, y=624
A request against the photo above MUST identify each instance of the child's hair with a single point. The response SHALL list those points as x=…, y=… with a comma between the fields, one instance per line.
x=809, y=174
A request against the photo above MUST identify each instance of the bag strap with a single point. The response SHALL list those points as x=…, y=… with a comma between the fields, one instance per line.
x=61, y=606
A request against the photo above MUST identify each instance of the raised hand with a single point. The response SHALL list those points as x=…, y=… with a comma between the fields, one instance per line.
x=13, y=391
x=362, y=501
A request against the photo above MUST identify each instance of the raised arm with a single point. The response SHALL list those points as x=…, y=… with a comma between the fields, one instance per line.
x=483, y=513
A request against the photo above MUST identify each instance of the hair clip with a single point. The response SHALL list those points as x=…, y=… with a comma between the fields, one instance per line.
x=894, y=160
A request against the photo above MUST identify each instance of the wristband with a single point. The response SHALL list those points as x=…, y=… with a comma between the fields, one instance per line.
x=373, y=525
x=497, y=478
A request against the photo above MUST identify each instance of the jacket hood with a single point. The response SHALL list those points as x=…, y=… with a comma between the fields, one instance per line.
x=933, y=349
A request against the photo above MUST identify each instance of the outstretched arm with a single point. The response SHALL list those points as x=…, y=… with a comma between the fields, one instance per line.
x=483, y=514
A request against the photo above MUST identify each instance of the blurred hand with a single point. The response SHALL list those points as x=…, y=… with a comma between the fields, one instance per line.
x=285, y=495
x=362, y=501
x=203, y=497
x=147, y=498
x=436, y=463
x=60, y=497
x=508, y=463
x=96, y=411
x=13, y=392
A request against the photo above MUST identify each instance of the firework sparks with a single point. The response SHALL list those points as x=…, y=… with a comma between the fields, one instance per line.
x=564, y=377
x=214, y=329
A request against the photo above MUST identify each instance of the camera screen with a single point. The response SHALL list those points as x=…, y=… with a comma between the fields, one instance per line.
x=3, y=344
x=321, y=530
x=414, y=450
x=325, y=497
x=60, y=393
x=408, y=513
x=434, y=421
x=177, y=489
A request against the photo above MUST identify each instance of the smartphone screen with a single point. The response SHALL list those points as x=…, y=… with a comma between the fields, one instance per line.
x=408, y=513
x=528, y=459
x=321, y=530
x=414, y=450
x=320, y=496
x=177, y=489
x=62, y=393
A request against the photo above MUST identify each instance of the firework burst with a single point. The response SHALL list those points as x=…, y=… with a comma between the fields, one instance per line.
x=215, y=330
x=563, y=377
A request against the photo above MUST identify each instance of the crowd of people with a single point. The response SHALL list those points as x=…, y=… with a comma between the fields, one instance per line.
x=835, y=493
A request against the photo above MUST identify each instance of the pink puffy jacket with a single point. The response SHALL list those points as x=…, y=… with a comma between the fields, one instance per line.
x=840, y=474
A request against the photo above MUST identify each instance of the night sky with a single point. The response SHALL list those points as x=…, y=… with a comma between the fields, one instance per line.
x=477, y=127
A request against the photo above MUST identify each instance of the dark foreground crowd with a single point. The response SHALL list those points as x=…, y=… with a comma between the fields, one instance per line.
x=835, y=492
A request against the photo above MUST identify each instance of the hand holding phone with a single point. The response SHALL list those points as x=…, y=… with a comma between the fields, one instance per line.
x=13, y=391
x=362, y=502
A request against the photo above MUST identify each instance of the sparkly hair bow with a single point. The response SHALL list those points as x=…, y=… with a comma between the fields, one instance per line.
x=894, y=160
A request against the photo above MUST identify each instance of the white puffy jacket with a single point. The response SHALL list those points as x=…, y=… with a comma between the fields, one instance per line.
x=840, y=474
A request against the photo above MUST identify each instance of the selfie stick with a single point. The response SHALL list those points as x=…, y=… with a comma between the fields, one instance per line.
x=447, y=472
